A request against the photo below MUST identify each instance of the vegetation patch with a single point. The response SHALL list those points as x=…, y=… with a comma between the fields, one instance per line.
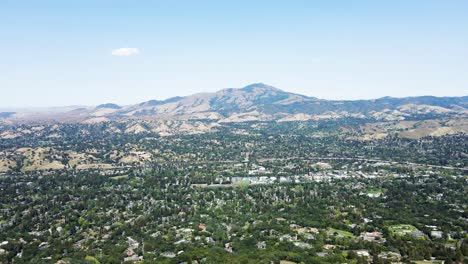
x=119, y=177
x=342, y=233
x=404, y=230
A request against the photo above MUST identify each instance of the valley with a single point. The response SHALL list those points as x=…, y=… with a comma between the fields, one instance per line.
x=251, y=175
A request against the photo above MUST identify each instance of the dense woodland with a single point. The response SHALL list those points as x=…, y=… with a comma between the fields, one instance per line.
x=92, y=215
x=316, y=196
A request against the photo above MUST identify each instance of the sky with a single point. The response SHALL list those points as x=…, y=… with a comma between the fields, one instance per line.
x=88, y=52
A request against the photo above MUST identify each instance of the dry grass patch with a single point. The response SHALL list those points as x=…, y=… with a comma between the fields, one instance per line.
x=5, y=164
x=40, y=159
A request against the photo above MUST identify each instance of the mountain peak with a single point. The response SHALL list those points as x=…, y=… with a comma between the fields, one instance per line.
x=109, y=105
x=262, y=86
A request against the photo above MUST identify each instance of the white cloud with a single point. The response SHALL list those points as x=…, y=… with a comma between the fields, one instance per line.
x=125, y=52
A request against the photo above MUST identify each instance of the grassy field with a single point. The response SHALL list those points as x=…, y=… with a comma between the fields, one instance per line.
x=119, y=177
x=341, y=232
x=286, y=262
x=427, y=261
x=374, y=191
x=403, y=230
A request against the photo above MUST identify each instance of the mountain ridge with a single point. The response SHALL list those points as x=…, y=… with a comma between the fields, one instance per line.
x=258, y=101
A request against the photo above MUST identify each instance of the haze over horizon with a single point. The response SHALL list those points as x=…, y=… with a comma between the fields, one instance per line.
x=56, y=53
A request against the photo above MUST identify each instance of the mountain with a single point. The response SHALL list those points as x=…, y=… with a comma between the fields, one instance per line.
x=255, y=102
x=222, y=104
x=109, y=106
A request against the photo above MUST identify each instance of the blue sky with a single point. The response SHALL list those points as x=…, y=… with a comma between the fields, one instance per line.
x=55, y=53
